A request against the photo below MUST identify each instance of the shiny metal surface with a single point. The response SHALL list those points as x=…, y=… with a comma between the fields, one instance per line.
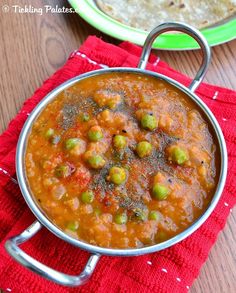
x=40, y=215
x=43, y=270
x=184, y=28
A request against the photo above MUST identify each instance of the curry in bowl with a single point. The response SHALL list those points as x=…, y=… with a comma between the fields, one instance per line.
x=122, y=160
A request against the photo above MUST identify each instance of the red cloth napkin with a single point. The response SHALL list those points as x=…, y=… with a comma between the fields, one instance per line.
x=171, y=270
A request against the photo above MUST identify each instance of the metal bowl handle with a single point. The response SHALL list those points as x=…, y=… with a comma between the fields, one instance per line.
x=184, y=28
x=43, y=270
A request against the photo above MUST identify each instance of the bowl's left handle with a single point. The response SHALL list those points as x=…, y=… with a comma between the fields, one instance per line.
x=184, y=28
x=41, y=269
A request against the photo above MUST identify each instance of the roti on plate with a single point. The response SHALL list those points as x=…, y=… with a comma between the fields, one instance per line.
x=146, y=14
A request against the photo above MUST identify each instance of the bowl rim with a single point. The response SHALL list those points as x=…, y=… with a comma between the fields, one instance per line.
x=45, y=221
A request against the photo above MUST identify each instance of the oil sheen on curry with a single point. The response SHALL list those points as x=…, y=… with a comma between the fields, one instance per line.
x=122, y=160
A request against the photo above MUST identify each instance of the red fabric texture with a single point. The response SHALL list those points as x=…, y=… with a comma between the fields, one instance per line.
x=171, y=270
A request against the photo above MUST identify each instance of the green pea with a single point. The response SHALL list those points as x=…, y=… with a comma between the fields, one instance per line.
x=117, y=175
x=87, y=196
x=119, y=141
x=140, y=215
x=143, y=149
x=85, y=117
x=97, y=211
x=121, y=219
x=95, y=133
x=71, y=143
x=154, y=215
x=62, y=171
x=178, y=155
x=73, y=226
x=149, y=122
x=49, y=133
x=160, y=191
x=96, y=161
x=161, y=236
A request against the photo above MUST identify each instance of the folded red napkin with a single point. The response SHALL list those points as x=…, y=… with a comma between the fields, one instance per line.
x=171, y=270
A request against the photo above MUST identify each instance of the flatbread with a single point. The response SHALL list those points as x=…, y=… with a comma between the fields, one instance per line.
x=146, y=14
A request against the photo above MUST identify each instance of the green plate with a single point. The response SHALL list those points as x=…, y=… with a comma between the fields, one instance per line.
x=88, y=10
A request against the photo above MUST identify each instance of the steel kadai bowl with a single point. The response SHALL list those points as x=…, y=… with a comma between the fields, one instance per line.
x=12, y=245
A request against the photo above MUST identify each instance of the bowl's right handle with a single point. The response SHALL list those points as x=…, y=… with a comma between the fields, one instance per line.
x=184, y=28
x=43, y=270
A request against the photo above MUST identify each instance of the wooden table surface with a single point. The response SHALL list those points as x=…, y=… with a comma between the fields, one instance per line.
x=33, y=46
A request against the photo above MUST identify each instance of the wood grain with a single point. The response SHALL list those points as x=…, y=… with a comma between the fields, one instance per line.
x=32, y=47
